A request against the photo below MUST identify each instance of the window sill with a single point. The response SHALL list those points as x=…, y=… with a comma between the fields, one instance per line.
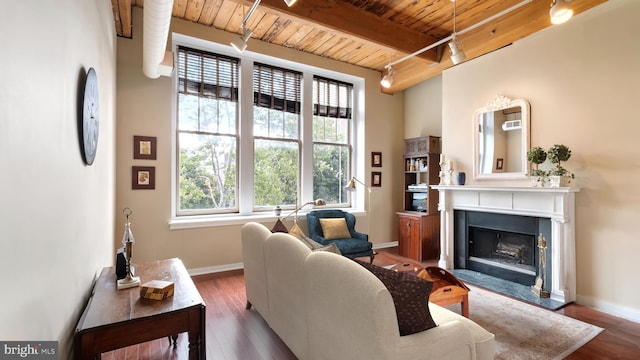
x=203, y=221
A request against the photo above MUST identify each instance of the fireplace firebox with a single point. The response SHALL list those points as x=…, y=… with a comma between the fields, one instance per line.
x=500, y=245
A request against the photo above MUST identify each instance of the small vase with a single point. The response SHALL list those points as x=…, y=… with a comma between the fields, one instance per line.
x=461, y=178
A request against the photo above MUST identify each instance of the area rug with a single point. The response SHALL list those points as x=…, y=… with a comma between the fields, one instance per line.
x=525, y=331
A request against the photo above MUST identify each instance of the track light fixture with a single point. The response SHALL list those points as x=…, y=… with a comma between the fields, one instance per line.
x=387, y=80
x=560, y=12
x=457, y=55
x=452, y=37
x=240, y=43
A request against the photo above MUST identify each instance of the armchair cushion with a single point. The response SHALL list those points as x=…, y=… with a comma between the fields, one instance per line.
x=335, y=228
x=410, y=296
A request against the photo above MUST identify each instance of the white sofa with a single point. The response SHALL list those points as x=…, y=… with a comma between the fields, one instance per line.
x=326, y=306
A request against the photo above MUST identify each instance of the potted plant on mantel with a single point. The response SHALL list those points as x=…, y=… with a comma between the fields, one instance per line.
x=537, y=156
x=559, y=176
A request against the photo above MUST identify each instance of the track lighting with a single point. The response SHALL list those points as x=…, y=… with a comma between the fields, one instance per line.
x=387, y=80
x=457, y=55
x=241, y=43
x=560, y=12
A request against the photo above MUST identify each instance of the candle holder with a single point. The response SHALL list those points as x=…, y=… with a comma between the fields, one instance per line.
x=127, y=239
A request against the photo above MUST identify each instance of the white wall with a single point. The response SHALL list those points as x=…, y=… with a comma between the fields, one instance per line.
x=582, y=81
x=144, y=108
x=57, y=214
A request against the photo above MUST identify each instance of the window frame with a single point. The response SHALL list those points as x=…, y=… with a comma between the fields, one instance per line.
x=245, y=131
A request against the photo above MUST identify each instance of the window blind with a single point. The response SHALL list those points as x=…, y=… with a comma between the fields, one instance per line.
x=207, y=75
x=332, y=98
x=276, y=88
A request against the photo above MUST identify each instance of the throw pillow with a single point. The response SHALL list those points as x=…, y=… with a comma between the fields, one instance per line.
x=335, y=228
x=296, y=231
x=330, y=248
x=410, y=296
x=279, y=227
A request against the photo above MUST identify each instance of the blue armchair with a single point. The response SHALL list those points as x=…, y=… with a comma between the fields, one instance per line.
x=357, y=245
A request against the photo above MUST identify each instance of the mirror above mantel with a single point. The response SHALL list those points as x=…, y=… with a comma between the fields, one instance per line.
x=501, y=139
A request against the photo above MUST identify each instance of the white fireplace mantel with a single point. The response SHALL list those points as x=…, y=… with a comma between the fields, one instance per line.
x=557, y=204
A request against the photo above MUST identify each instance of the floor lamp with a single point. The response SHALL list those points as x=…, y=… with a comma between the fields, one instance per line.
x=351, y=186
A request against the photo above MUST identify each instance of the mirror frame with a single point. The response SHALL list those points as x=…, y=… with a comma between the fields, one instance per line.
x=501, y=102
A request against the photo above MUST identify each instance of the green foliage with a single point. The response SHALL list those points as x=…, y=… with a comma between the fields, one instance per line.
x=536, y=155
x=557, y=154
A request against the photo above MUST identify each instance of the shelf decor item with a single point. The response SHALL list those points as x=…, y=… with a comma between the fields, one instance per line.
x=559, y=176
x=127, y=239
x=537, y=156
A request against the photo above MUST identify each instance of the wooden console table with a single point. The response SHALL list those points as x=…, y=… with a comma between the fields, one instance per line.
x=117, y=318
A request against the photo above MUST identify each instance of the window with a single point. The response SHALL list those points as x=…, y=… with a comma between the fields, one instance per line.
x=332, y=108
x=253, y=133
x=207, y=132
x=276, y=134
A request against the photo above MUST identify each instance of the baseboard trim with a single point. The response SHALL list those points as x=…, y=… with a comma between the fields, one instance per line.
x=215, y=269
x=608, y=308
x=385, y=245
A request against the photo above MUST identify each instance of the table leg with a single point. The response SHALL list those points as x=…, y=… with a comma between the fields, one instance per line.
x=465, y=306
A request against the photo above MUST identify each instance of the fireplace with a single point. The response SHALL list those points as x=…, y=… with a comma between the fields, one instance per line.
x=495, y=230
x=500, y=245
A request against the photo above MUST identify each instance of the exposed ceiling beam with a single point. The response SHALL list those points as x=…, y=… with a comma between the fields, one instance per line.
x=354, y=23
x=122, y=16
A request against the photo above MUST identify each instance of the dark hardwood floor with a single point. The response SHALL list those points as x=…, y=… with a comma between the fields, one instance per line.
x=234, y=333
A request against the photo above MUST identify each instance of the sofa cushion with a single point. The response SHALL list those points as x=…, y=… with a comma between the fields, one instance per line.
x=310, y=243
x=330, y=248
x=296, y=231
x=410, y=296
x=279, y=227
x=335, y=228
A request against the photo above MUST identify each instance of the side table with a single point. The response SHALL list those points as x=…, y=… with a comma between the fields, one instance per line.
x=116, y=318
x=447, y=289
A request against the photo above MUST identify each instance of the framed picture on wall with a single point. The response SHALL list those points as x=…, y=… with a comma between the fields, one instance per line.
x=143, y=177
x=499, y=163
x=376, y=159
x=376, y=179
x=144, y=147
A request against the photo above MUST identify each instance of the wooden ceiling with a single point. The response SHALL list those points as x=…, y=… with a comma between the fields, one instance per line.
x=369, y=33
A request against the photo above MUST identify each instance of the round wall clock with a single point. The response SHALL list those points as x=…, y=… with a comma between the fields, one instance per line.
x=90, y=117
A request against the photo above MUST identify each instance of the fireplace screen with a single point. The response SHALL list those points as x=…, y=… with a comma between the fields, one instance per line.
x=503, y=249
